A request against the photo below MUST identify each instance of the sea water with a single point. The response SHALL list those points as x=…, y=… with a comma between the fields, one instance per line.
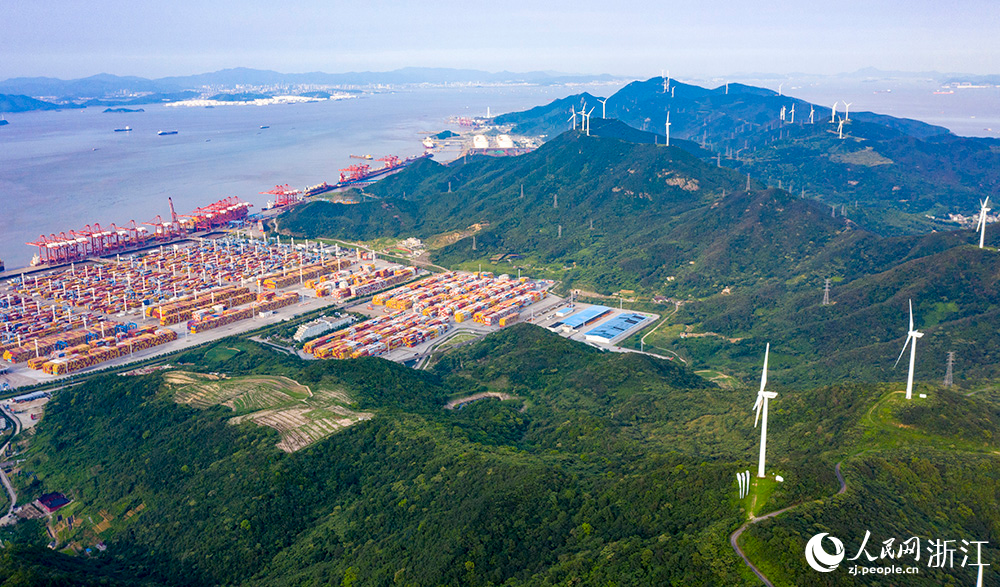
x=62, y=170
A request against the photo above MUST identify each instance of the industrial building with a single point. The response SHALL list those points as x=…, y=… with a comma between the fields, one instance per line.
x=582, y=318
x=321, y=325
x=609, y=331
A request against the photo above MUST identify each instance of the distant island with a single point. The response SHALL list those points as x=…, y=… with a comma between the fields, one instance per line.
x=106, y=110
x=446, y=134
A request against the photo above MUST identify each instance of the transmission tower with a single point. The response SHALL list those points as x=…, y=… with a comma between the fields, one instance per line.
x=826, y=292
x=949, y=379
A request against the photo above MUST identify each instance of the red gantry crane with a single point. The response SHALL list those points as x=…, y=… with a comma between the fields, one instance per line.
x=284, y=196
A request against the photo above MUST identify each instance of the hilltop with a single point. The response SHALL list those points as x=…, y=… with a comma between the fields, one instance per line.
x=890, y=173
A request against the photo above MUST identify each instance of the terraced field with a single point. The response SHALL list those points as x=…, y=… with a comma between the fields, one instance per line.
x=302, y=416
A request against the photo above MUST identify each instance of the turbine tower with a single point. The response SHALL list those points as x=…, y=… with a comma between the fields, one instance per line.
x=782, y=114
x=572, y=117
x=761, y=406
x=912, y=335
x=847, y=111
x=668, y=128
x=812, y=113
x=833, y=112
x=604, y=110
x=588, y=121
x=981, y=225
x=840, y=129
x=792, y=115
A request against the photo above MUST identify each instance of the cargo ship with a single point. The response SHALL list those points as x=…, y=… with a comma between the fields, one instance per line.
x=126, y=129
x=166, y=132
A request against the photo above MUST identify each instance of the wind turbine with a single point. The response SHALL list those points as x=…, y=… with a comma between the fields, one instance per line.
x=761, y=406
x=572, y=117
x=847, y=111
x=782, y=115
x=812, y=113
x=588, y=120
x=840, y=129
x=911, y=335
x=604, y=111
x=792, y=114
x=981, y=225
x=833, y=112
x=668, y=128
x=779, y=88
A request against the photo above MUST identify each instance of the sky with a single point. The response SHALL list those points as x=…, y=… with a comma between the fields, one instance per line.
x=74, y=38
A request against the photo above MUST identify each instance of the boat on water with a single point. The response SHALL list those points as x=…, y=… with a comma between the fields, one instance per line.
x=126, y=129
x=263, y=126
x=166, y=132
x=368, y=157
x=428, y=143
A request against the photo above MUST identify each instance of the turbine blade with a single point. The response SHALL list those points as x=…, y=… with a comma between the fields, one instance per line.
x=757, y=406
x=911, y=315
x=763, y=374
x=905, y=344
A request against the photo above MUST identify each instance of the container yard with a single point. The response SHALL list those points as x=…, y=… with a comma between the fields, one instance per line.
x=86, y=314
x=427, y=309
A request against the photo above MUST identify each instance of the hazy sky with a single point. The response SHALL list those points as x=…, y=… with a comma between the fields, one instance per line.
x=74, y=38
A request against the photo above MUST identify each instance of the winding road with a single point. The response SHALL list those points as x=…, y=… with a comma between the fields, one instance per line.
x=735, y=536
x=3, y=476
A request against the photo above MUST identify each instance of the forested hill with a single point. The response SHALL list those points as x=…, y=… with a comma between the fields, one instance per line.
x=749, y=266
x=631, y=215
x=897, y=170
x=604, y=468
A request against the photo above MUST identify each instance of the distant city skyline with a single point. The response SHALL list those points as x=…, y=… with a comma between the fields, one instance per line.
x=712, y=38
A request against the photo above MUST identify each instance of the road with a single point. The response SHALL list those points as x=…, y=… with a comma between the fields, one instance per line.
x=7, y=519
x=735, y=536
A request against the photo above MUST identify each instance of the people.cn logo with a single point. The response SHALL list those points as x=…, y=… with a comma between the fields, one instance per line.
x=818, y=558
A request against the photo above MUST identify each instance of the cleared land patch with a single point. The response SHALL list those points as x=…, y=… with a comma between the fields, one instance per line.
x=299, y=414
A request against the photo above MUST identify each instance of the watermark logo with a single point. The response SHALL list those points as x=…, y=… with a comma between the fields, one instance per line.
x=821, y=560
x=891, y=553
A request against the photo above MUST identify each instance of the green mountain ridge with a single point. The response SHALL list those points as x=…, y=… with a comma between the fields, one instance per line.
x=900, y=170
x=607, y=468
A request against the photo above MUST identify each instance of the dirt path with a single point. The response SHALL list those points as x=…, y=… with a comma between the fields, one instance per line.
x=455, y=403
x=735, y=536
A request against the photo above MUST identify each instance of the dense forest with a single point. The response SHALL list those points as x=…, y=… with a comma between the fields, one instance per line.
x=603, y=469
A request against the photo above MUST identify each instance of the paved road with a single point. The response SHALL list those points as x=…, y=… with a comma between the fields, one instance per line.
x=3, y=476
x=735, y=536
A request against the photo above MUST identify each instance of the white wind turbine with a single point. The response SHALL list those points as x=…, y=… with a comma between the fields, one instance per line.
x=911, y=335
x=840, y=129
x=668, y=128
x=587, y=118
x=572, y=117
x=761, y=406
x=981, y=225
x=792, y=115
x=833, y=112
x=782, y=114
x=812, y=113
x=847, y=111
x=604, y=110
